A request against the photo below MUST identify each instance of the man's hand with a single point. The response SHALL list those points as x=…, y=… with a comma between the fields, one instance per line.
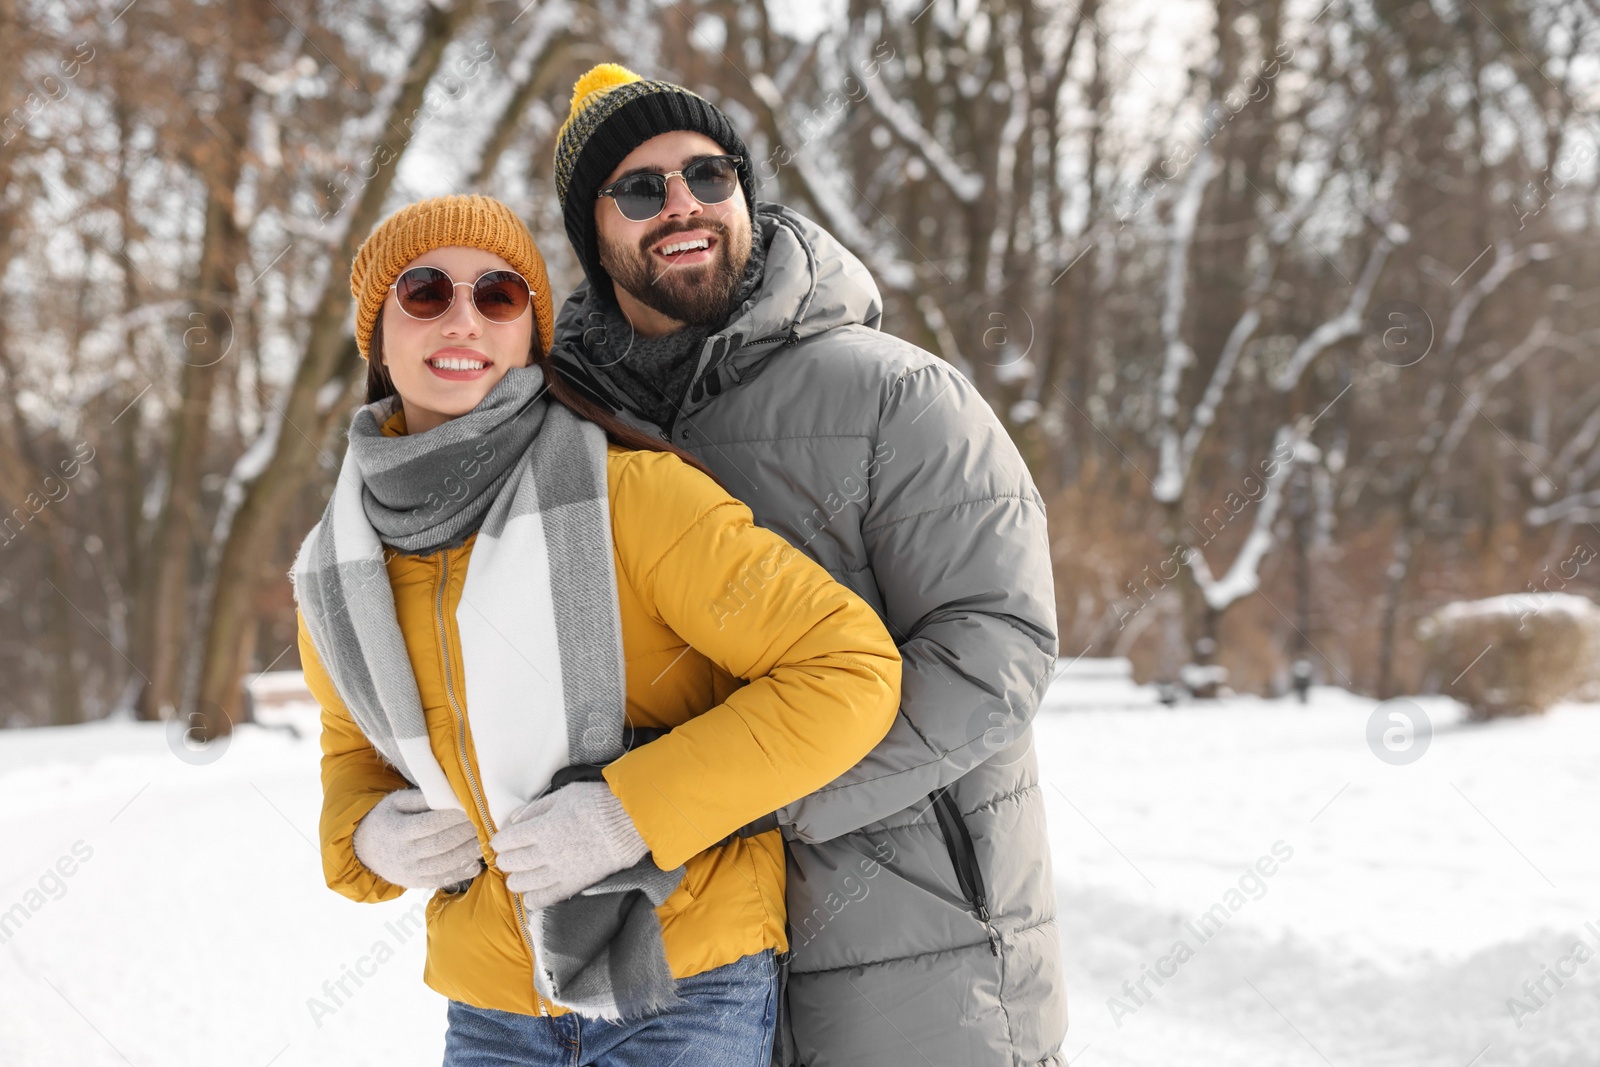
x=404, y=841
x=566, y=841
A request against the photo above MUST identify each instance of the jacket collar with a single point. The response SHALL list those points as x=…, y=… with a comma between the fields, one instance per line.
x=811, y=284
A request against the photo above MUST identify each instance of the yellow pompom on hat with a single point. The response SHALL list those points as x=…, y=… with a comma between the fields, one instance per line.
x=613, y=112
x=470, y=221
x=601, y=78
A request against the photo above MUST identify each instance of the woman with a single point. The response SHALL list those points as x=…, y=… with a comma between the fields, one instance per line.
x=570, y=738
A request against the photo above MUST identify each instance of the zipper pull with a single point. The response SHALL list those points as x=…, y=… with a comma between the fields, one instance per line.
x=994, y=936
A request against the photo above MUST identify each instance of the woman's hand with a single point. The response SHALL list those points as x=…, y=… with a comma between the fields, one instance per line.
x=566, y=841
x=404, y=841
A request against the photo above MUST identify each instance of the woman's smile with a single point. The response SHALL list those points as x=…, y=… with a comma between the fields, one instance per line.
x=459, y=364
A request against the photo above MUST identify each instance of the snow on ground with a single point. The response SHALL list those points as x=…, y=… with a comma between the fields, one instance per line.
x=199, y=927
x=1416, y=901
x=162, y=910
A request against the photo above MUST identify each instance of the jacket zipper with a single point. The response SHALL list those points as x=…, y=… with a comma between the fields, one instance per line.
x=461, y=751
x=788, y=339
x=965, y=859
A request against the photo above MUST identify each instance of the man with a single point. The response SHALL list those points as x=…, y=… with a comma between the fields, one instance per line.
x=921, y=903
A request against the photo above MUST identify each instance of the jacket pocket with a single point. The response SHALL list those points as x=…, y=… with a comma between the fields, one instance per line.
x=680, y=899
x=964, y=858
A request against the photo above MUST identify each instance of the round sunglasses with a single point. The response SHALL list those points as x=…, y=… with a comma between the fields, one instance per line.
x=641, y=197
x=427, y=292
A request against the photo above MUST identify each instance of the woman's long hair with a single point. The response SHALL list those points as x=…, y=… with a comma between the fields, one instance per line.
x=618, y=432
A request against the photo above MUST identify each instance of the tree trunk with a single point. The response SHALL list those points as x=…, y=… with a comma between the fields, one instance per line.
x=163, y=604
x=1180, y=650
x=1300, y=509
x=66, y=699
x=164, y=610
x=1405, y=540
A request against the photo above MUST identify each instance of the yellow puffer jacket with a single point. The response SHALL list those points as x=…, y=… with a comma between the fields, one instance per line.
x=708, y=600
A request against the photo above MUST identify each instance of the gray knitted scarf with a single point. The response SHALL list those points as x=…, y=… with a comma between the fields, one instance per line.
x=541, y=643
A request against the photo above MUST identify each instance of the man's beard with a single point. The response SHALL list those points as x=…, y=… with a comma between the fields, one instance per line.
x=695, y=296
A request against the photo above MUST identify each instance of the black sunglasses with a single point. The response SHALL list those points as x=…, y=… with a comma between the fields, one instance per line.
x=641, y=197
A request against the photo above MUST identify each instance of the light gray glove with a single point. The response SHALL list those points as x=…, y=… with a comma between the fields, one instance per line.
x=404, y=841
x=566, y=841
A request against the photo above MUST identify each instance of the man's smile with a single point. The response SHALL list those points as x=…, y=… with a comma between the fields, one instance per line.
x=686, y=247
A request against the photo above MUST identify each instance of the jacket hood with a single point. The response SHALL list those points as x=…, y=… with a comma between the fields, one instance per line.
x=811, y=284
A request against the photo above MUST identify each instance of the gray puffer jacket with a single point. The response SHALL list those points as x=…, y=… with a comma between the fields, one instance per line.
x=921, y=903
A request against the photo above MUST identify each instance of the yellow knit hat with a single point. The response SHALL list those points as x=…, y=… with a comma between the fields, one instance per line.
x=470, y=221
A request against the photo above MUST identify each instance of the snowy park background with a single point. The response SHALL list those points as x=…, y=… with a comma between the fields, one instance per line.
x=1416, y=901
x=1290, y=305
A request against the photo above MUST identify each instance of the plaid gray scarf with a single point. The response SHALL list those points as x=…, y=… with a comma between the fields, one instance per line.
x=541, y=642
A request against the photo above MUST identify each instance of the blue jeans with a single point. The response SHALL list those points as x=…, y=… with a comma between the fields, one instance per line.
x=727, y=1020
